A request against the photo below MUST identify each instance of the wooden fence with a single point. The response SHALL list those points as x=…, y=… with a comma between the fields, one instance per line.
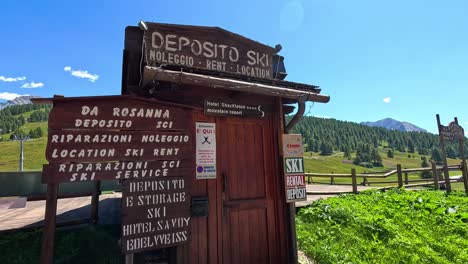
x=440, y=178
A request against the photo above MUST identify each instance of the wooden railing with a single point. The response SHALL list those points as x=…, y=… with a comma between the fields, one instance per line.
x=436, y=181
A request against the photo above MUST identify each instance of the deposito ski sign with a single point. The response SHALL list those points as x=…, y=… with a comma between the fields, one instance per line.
x=294, y=179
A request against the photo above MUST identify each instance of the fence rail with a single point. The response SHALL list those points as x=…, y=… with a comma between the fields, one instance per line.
x=439, y=178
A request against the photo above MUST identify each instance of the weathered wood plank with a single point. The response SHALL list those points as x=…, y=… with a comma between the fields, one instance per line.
x=209, y=48
x=73, y=172
x=116, y=112
x=48, y=239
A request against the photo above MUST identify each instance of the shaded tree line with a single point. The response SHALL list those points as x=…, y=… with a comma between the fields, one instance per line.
x=33, y=133
x=328, y=135
x=10, y=121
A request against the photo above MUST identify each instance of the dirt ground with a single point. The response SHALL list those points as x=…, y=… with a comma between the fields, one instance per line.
x=303, y=259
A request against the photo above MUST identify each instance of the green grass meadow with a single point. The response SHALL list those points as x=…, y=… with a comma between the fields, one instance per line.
x=336, y=163
x=34, y=150
x=396, y=226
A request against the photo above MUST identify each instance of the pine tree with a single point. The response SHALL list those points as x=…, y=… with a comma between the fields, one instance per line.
x=436, y=156
x=451, y=152
x=410, y=146
x=375, y=158
x=347, y=152
x=326, y=148
x=390, y=154
x=425, y=164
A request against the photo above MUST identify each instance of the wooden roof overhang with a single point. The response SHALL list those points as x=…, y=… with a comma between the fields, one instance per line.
x=292, y=92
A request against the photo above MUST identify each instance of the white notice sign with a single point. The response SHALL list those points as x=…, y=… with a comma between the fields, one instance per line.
x=205, y=150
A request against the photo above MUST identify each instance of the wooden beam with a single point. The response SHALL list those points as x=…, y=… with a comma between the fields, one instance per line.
x=154, y=73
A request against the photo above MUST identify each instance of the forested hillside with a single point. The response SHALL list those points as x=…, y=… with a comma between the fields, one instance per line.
x=13, y=117
x=327, y=135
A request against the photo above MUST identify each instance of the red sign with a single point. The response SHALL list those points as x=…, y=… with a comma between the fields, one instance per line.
x=294, y=178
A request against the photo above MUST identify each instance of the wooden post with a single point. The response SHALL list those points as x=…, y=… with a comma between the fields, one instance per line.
x=406, y=177
x=172, y=255
x=354, y=180
x=461, y=148
x=434, y=175
x=95, y=202
x=290, y=207
x=48, y=236
x=463, y=168
x=292, y=222
x=442, y=148
x=464, y=175
x=129, y=259
x=400, y=176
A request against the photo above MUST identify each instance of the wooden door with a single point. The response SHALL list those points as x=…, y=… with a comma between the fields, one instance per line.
x=248, y=171
x=246, y=219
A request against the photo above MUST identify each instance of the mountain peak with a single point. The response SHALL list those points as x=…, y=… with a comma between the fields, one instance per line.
x=20, y=100
x=392, y=124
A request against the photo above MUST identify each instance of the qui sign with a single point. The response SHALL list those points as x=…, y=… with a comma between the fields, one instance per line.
x=205, y=150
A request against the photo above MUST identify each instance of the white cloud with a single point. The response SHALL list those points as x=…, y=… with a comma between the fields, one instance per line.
x=10, y=96
x=32, y=85
x=387, y=100
x=12, y=79
x=82, y=74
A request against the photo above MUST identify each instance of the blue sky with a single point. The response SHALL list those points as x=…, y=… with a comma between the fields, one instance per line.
x=402, y=59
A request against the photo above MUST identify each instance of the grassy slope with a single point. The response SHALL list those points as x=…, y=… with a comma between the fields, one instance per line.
x=335, y=164
x=26, y=114
x=391, y=227
x=34, y=150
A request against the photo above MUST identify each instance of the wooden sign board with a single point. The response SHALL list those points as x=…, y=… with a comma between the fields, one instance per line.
x=155, y=214
x=452, y=132
x=112, y=152
x=146, y=143
x=294, y=178
x=77, y=172
x=236, y=109
x=116, y=113
x=207, y=48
